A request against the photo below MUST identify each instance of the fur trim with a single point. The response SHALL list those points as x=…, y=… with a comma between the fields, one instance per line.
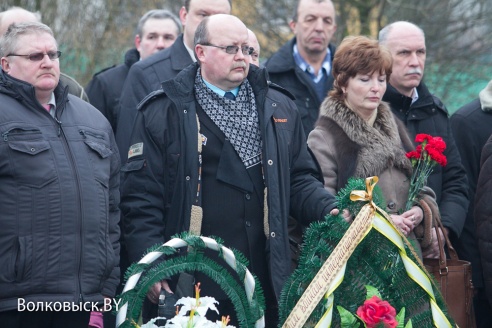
x=379, y=146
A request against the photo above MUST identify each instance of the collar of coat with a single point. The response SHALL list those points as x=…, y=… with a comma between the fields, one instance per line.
x=283, y=60
x=377, y=147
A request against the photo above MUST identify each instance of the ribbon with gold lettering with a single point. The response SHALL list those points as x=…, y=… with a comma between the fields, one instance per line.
x=324, y=281
x=331, y=274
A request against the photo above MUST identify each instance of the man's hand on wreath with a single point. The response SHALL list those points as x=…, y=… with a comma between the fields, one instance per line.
x=345, y=214
x=155, y=290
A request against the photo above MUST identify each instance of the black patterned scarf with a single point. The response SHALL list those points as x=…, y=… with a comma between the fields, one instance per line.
x=237, y=119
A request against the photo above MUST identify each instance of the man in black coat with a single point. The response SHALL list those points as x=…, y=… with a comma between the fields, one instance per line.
x=147, y=75
x=241, y=180
x=411, y=102
x=303, y=64
x=472, y=126
x=156, y=30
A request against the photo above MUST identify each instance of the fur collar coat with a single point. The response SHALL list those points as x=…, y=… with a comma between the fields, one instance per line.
x=345, y=146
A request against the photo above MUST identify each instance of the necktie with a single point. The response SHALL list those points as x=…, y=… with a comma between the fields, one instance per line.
x=47, y=107
x=229, y=95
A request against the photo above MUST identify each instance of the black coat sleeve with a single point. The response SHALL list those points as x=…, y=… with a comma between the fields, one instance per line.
x=309, y=200
x=483, y=215
x=97, y=92
x=134, y=91
x=453, y=204
x=142, y=187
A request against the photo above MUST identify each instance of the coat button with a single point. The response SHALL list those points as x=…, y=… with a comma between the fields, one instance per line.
x=33, y=150
x=274, y=105
x=247, y=196
x=248, y=223
x=270, y=162
x=391, y=205
x=272, y=234
x=433, y=109
x=185, y=111
x=187, y=178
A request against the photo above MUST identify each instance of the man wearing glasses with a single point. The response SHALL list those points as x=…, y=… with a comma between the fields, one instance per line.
x=59, y=167
x=20, y=15
x=223, y=146
x=147, y=75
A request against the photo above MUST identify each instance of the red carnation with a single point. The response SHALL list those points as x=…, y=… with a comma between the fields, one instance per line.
x=421, y=137
x=413, y=154
x=375, y=311
x=425, y=156
x=436, y=155
x=437, y=143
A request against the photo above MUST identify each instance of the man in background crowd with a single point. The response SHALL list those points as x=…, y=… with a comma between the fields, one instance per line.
x=472, y=126
x=147, y=75
x=253, y=42
x=156, y=30
x=303, y=64
x=19, y=15
x=413, y=104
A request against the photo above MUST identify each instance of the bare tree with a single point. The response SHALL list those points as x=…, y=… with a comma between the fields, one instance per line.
x=94, y=34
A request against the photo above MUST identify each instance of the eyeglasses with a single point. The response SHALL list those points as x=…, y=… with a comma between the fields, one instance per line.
x=232, y=50
x=38, y=56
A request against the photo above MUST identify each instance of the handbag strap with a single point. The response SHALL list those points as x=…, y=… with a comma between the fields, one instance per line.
x=442, y=255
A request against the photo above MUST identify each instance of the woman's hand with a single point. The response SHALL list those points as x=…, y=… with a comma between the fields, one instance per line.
x=415, y=214
x=408, y=220
x=405, y=224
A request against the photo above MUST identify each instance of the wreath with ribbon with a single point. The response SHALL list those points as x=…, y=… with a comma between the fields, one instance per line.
x=338, y=260
x=247, y=298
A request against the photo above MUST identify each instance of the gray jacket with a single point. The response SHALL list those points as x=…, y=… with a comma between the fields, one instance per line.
x=59, y=199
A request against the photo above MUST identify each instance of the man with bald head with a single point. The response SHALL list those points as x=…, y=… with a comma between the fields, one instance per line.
x=236, y=183
x=20, y=15
x=422, y=112
x=147, y=75
x=253, y=42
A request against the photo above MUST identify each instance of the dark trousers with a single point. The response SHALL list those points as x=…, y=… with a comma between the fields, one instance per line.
x=483, y=310
x=52, y=319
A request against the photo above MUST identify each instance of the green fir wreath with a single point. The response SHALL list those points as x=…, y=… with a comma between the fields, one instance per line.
x=375, y=262
x=248, y=305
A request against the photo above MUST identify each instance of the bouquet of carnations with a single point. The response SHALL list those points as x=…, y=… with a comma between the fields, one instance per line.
x=424, y=158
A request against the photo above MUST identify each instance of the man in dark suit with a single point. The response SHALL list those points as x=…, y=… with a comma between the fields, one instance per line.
x=156, y=31
x=422, y=112
x=240, y=181
x=472, y=126
x=303, y=64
